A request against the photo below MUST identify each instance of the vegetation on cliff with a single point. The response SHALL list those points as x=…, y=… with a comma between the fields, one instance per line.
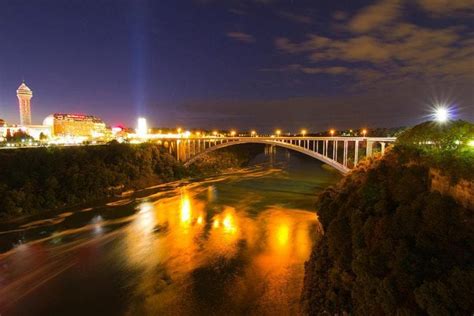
x=225, y=158
x=37, y=179
x=448, y=147
x=48, y=178
x=391, y=246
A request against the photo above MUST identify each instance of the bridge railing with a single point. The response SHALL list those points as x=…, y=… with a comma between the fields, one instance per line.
x=343, y=153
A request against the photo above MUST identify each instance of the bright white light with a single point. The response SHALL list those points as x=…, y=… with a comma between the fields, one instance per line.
x=441, y=114
x=142, y=128
x=471, y=143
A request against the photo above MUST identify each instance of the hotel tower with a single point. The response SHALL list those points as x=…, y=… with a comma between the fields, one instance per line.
x=24, y=95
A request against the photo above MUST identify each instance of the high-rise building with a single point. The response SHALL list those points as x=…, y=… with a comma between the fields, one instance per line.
x=76, y=125
x=24, y=95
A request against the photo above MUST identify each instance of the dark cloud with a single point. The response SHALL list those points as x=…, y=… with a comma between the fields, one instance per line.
x=443, y=7
x=376, y=15
x=241, y=37
x=320, y=113
x=298, y=18
x=392, y=53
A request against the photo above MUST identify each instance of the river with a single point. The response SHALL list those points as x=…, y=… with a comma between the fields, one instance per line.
x=224, y=245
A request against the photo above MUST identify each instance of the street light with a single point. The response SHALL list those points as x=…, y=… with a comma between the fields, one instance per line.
x=179, y=130
x=332, y=132
x=278, y=132
x=303, y=132
x=214, y=133
x=364, y=132
x=232, y=133
x=442, y=114
x=253, y=133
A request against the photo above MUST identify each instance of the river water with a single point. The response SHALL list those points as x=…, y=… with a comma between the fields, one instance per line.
x=226, y=245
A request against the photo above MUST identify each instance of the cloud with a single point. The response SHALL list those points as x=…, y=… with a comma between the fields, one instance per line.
x=402, y=51
x=296, y=17
x=339, y=15
x=440, y=7
x=336, y=70
x=373, y=16
x=241, y=37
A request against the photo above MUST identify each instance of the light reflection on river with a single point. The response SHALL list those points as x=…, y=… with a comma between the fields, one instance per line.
x=233, y=244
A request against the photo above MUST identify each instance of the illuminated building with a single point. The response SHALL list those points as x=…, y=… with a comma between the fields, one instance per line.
x=24, y=95
x=76, y=125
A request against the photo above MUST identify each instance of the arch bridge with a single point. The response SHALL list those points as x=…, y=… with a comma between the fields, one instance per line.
x=342, y=153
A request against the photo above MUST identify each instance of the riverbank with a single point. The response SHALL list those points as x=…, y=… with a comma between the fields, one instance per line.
x=42, y=179
x=392, y=244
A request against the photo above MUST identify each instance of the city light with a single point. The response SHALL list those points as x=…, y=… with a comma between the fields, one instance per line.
x=232, y=133
x=142, y=128
x=303, y=132
x=332, y=132
x=442, y=114
x=179, y=130
x=214, y=133
x=364, y=132
x=278, y=132
x=253, y=133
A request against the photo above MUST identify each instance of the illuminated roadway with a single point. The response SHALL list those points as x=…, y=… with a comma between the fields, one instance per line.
x=342, y=153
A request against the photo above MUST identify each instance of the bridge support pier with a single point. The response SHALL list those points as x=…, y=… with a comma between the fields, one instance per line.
x=356, y=153
x=369, y=148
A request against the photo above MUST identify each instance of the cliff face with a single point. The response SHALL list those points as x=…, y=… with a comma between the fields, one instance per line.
x=462, y=191
x=392, y=245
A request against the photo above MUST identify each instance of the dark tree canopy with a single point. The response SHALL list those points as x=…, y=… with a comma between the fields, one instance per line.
x=391, y=246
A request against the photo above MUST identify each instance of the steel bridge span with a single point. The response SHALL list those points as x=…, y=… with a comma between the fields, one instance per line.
x=341, y=153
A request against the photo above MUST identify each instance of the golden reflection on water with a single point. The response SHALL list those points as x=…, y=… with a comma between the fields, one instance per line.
x=173, y=238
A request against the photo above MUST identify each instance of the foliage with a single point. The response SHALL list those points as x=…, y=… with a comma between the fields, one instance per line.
x=391, y=246
x=433, y=137
x=18, y=136
x=442, y=146
x=47, y=178
x=228, y=157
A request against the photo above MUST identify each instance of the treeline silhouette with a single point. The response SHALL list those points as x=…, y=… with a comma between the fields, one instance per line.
x=38, y=179
x=391, y=245
x=47, y=178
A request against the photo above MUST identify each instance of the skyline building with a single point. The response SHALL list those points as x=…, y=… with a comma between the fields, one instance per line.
x=76, y=125
x=24, y=95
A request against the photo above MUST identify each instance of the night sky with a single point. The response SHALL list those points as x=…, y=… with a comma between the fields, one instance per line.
x=260, y=64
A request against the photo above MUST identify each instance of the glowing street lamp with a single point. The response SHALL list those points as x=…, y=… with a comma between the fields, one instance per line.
x=179, y=130
x=214, y=133
x=232, y=133
x=332, y=132
x=303, y=132
x=364, y=132
x=253, y=133
x=441, y=114
x=278, y=132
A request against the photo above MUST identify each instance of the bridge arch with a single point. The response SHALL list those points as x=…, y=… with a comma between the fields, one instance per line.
x=333, y=163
